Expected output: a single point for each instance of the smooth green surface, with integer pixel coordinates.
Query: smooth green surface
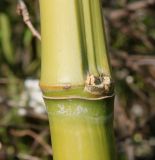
(61, 50)
(102, 59)
(81, 129)
(73, 41)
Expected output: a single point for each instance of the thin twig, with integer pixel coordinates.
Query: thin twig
(35, 136)
(23, 11)
(131, 7)
(27, 157)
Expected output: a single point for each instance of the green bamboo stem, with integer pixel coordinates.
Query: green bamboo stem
(89, 37)
(102, 59)
(61, 59)
(75, 74)
(81, 129)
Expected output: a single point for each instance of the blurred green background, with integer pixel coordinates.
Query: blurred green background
(24, 131)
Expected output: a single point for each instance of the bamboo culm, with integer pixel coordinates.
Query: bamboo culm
(76, 80)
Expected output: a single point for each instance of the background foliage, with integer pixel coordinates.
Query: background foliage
(24, 132)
